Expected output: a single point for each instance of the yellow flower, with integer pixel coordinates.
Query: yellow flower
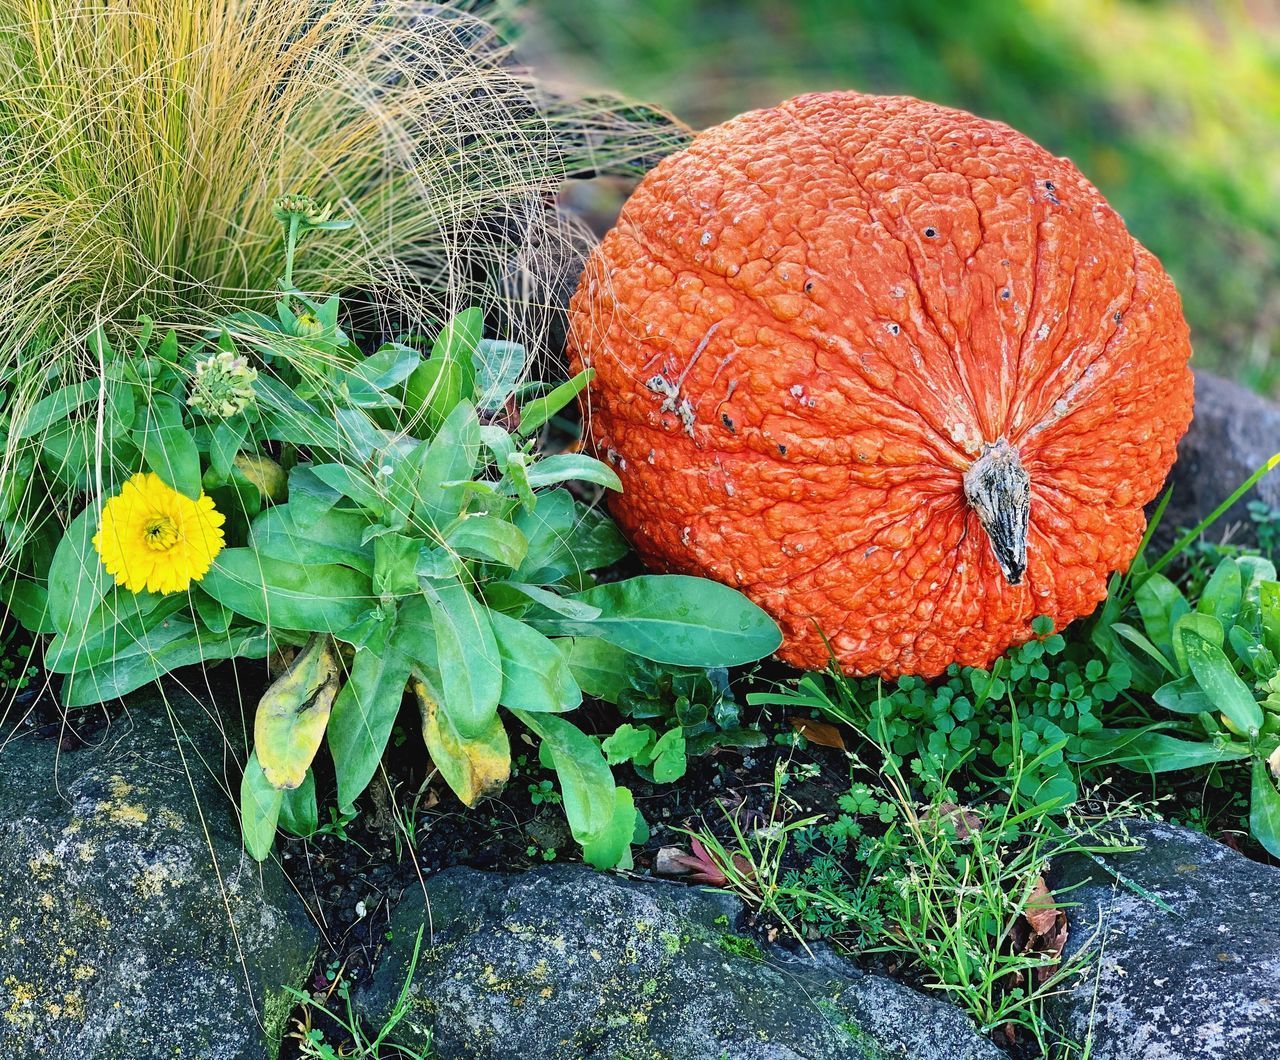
(152, 537)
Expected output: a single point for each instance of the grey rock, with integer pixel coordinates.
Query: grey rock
(1199, 983)
(116, 939)
(1233, 432)
(563, 963)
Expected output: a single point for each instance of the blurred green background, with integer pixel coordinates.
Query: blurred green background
(1172, 107)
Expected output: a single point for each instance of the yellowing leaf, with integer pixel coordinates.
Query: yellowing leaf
(473, 767)
(293, 713)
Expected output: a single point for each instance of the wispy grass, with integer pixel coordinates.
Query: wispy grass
(142, 144)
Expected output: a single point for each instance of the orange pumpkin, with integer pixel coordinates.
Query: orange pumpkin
(896, 372)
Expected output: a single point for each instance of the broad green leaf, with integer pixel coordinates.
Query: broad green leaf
(508, 596)
(1135, 638)
(170, 645)
(611, 847)
(395, 563)
(293, 713)
(28, 602)
(499, 367)
(369, 383)
(365, 712)
(121, 619)
(1161, 604)
(1205, 626)
(586, 783)
(310, 497)
(675, 619)
(228, 439)
(1223, 594)
(473, 767)
(669, 761)
(566, 539)
(535, 413)
(333, 537)
(1269, 603)
(213, 616)
(469, 664)
(627, 743)
(317, 598)
(168, 447)
(600, 668)
(353, 484)
(448, 376)
(1216, 676)
(1264, 809)
(77, 579)
(1183, 696)
(535, 675)
(288, 418)
(1157, 752)
(299, 815)
(259, 810)
(55, 408)
(488, 538)
(565, 467)
(451, 457)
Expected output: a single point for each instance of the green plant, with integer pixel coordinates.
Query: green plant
(1038, 703)
(687, 711)
(412, 535)
(361, 1045)
(1216, 667)
(142, 144)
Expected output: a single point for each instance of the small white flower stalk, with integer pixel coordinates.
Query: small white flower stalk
(223, 385)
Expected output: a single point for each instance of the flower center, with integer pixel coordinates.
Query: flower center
(160, 533)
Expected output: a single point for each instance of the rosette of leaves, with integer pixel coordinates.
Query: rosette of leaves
(673, 713)
(1215, 667)
(429, 536)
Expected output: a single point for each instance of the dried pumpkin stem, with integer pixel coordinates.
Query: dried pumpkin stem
(998, 489)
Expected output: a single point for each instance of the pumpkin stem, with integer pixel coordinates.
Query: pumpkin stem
(998, 489)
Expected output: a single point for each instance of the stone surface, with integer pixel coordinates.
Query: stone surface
(1233, 432)
(116, 940)
(563, 963)
(1199, 983)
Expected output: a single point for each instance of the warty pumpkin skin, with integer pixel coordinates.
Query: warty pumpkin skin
(867, 358)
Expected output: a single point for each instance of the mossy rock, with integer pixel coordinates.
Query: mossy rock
(133, 927)
(563, 963)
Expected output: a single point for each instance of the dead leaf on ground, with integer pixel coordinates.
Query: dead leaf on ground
(819, 732)
(1043, 928)
(962, 819)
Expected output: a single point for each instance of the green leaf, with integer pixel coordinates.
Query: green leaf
(451, 457)
(259, 810)
(1216, 676)
(317, 598)
(1183, 696)
(611, 847)
(228, 439)
(1156, 752)
(508, 596)
(535, 413)
(395, 565)
(566, 539)
(1161, 604)
(333, 537)
(674, 619)
(1264, 809)
(488, 538)
(448, 377)
(669, 760)
(165, 648)
(535, 675)
(55, 408)
(77, 579)
(1139, 641)
(628, 743)
(364, 714)
(1205, 626)
(565, 467)
(353, 484)
(168, 447)
(299, 815)
(122, 618)
(469, 664)
(1223, 594)
(499, 367)
(1269, 603)
(600, 668)
(586, 783)
(370, 383)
